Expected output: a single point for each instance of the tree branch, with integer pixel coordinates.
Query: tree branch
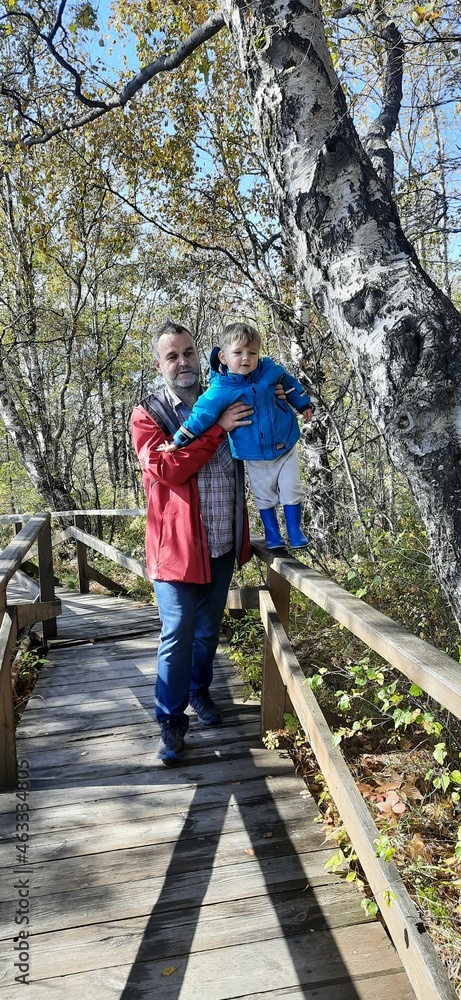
(161, 64)
(376, 142)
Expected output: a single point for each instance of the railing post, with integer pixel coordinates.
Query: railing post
(274, 698)
(82, 561)
(46, 576)
(8, 766)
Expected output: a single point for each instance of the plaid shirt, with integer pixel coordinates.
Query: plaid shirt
(216, 486)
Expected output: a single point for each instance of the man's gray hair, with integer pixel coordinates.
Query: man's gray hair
(168, 327)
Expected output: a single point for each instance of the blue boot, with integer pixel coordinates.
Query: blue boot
(296, 536)
(274, 539)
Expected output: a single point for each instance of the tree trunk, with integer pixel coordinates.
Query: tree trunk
(43, 477)
(401, 333)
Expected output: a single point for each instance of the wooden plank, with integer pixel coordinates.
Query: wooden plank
(8, 767)
(105, 581)
(243, 599)
(46, 578)
(40, 611)
(335, 958)
(430, 668)
(259, 818)
(15, 553)
(109, 985)
(218, 850)
(100, 618)
(94, 904)
(156, 802)
(274, 699)
(111, 553)
(61, 536)
(82, 558)
(26, 584)
(80, 949)
(105, 512)
(418, 955)
(391, 986)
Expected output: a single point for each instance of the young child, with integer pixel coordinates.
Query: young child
(268, 445)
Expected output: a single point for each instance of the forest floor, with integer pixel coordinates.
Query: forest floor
(419, 830)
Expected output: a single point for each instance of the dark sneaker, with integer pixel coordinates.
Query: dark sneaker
(171, 744)
(208, 712)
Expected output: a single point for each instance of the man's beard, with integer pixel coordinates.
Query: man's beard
(186, 379)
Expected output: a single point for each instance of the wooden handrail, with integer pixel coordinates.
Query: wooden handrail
(418, 955)
(15, 553)
(8, 766)
(435, 672)
(42, 608)
(104, 512)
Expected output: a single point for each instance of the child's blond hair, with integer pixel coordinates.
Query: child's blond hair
(241, 332)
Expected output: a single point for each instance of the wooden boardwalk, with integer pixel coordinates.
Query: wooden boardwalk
(202, 882)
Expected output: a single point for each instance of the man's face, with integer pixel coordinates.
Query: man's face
(178, 361)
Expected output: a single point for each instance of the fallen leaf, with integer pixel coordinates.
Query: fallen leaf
(249, 850)
(418, 848)
(392, 797)
(268, 835)
(411, 792)
(399, 807)
(169, 970)
(389, 786)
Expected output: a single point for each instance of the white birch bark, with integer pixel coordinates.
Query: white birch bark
(401, 333)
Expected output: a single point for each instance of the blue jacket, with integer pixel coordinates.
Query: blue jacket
(274, 428)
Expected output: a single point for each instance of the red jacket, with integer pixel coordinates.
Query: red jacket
(176, 544)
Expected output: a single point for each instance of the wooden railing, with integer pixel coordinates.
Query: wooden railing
(43, 607)
(434, 671)
(285, 687)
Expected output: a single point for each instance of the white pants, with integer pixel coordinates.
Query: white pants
(277, 481)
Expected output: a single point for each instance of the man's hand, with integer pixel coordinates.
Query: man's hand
(235, 415)
(280, 392)
(167, 446)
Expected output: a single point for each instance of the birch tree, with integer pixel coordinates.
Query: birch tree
(400, 332)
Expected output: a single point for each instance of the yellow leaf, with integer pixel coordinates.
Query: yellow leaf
(169, 970)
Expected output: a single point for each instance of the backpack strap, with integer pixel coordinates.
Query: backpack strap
(161, 411)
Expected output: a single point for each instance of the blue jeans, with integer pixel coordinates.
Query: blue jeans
(191, 615)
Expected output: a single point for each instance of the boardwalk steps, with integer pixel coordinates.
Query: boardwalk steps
(213, 872)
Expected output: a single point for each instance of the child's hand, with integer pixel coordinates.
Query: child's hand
(307, 415)
(167, 446)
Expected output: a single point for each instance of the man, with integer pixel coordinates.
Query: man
(197, 526)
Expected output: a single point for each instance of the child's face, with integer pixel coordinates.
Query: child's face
(240, 360)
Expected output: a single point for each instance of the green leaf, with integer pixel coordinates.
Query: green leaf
(439, 752)
(369, 906)
(416, 691)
